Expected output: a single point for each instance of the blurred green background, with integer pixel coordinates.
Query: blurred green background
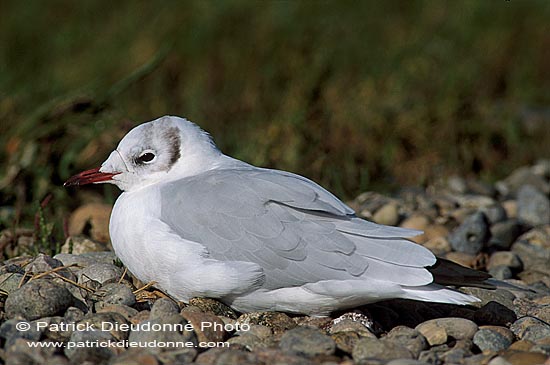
(356, 95)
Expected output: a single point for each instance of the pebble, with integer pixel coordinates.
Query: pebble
(306, 341)
(207, 326)
(38, 298)
(511, 208)
(127, 312)
(409, 338)
(10, 281)
(434, 333)
(372, 348)
(163, 307)
(495, 213)
(457, 328)
(86, 259)
(533, 206)
(493, 338)
(213, 306)
(523, 358)
(115, 293)
(504, 233)
(388, 214)
(471, 235)
(505, 258)
(502, 296)
(278, 322)
(530, 329)
(102, 273)
(501, 272)
(440, 246)
(346, 341)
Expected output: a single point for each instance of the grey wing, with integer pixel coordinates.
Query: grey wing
(294, 229)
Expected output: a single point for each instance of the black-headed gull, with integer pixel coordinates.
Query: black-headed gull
(202, 224)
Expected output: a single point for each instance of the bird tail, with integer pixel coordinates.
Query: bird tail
(446, 272)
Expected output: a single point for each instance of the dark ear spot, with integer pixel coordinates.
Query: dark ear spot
(172, 136)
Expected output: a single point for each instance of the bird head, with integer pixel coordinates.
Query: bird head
(164, 149)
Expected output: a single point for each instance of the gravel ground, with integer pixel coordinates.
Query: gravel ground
(74, 304)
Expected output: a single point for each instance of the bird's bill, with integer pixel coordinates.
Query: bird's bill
(92, 176)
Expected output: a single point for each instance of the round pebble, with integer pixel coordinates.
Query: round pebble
(38, 298)
(493, 338)
(471, 235)
(533, 206)
(305, 341)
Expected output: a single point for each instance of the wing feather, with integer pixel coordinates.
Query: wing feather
(295, 230)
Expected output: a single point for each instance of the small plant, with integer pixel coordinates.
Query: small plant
(44, 237)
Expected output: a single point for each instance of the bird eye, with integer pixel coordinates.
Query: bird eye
(146, 157)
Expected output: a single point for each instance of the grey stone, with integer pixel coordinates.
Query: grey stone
(163, 307)
(86, 259)
(533, 206)
(10, 281)
(520, 177)
(494, 213)
(73, 314)
(504, 233)
(43, 263)
(367, 349)
(38, 298)
(501, 272)
(471, 235)
(306, 341)
(409, 338)
(536, 333)
(493, 338)
(502, 296)
(530, 329)
(115, 293)
(102, 273)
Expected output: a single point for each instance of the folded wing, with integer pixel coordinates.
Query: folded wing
(294, 229)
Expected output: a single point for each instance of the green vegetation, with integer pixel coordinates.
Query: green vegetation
(354, 94)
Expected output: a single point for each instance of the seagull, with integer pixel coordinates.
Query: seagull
(199, 223)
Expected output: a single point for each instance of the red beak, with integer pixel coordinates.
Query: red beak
(89, 177)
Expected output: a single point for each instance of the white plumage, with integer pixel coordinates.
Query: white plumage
(200, 223)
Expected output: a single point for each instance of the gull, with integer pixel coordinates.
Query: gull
(199, 223)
